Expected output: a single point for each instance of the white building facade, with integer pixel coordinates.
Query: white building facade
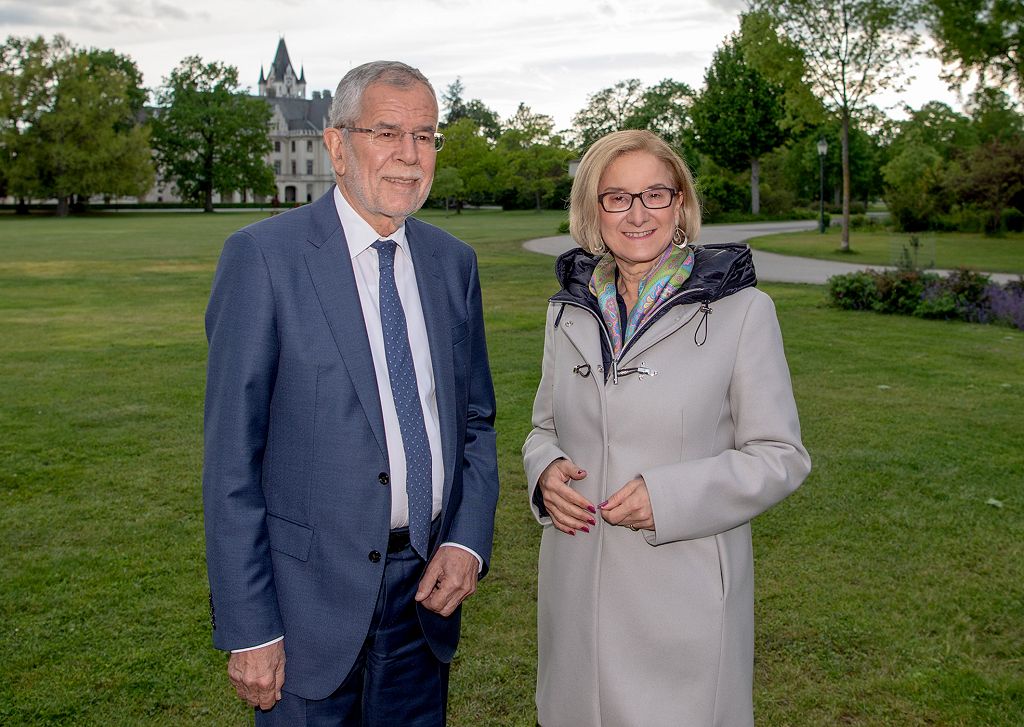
(302, 168)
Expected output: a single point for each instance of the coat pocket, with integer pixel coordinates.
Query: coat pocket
(459, 332)
(289, 537)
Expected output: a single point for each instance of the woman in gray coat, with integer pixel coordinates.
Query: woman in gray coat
(664, 421)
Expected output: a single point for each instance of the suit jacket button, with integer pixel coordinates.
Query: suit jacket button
(374, 556)
(383, 478)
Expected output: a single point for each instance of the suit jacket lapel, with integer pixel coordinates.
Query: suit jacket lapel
(330, 267)
(436, 314)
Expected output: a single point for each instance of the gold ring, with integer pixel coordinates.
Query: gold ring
(634, 528)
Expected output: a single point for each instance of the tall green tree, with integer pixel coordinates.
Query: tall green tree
(665, 109)
(849, 50)
(468, 151)
(72, 128)
(983, 38)
(736, 118)
(992, 177)
(535, 160)
(607, 110)
(210, 136)
(456, 108)
(27, 79)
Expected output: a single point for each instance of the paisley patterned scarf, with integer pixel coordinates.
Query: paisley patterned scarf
(666, 277)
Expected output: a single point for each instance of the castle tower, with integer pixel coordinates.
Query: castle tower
(281, 80)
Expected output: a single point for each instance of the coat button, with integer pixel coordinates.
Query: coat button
(383, 478)
(374, 556)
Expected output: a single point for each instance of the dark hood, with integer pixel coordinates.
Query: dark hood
(718, 271)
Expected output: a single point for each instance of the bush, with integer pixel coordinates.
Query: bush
(563, 227)
(900, 291)
(962, 295)
(1013, 220)
(853, 291)
(720, 194)
(1006, 303)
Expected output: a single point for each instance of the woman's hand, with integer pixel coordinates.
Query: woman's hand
(630, 506)
(569, 510)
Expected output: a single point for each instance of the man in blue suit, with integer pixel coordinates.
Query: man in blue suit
(350, 473)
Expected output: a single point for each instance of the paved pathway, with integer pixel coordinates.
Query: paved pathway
(770, 267)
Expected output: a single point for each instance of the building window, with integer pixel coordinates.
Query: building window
(277, 166)
(293, 165)
(309, 166)
(293, 145)
(277, 146)
(309, 146)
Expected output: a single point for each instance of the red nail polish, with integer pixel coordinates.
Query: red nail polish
(603, 504)
(572, 533)
(591, 508)
(591, 521)
(584, 528)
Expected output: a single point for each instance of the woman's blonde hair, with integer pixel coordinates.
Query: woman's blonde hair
(585, 210)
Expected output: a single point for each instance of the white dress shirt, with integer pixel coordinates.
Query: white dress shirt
(365, 265)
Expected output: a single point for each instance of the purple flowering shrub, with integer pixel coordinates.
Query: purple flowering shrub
(963, 295)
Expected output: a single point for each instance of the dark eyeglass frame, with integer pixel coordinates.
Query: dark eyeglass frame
(376, 133)
(639, 195)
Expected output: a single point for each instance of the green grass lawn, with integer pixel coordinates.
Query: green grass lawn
(890, 588)
(948, 250)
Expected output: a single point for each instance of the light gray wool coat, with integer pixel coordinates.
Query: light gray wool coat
(655, 628)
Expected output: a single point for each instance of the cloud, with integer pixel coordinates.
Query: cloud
(108, 16)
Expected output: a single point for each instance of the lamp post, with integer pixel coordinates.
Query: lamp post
(822, 151)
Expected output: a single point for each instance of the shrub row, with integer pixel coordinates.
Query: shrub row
(962, 295)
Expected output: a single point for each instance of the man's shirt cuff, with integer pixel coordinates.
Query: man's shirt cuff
(272, 641)
(479, 560)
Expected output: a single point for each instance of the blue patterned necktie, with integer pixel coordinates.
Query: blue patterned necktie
(402, 373)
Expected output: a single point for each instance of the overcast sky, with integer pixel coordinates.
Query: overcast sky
(550, 54)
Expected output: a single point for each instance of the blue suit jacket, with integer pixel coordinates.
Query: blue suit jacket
(297, 501)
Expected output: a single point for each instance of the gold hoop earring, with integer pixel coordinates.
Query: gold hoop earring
(680, 239)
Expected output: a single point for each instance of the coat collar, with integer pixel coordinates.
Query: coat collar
(718, 272)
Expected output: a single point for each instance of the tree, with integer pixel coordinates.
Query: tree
(849, 50)
(453, 103)
(992, 176)
(994, 116)
(458, 108)
(982, 37)
(535, 159)
(447, 185)
(913, 180)
(736, 118)
(664, 108)
(468, 152)
(71, 126)
(210, 136)
(606, 111)
(26, 87)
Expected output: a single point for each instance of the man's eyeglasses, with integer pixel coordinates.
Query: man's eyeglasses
(655, 198)
(389, 136)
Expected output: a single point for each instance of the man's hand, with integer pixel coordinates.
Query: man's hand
(258, 674)
(450, 578)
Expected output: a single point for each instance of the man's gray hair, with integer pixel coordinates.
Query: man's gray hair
(345, 108)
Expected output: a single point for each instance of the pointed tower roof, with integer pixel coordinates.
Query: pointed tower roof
(281, 60)
(263, 79)
(302, 75)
